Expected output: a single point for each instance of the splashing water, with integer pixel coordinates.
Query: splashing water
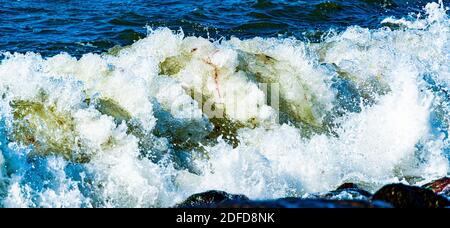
(171, 115)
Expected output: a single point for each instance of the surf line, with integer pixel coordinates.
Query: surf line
(188, 218)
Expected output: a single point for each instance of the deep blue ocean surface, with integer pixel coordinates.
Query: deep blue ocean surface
(109, 103)
(76, 27)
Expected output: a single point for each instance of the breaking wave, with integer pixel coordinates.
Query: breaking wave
(149, 124)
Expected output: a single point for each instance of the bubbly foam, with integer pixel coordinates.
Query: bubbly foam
(169, 116)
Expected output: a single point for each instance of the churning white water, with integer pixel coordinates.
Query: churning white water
(149, 124)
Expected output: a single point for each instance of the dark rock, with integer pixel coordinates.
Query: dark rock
(347, 186)
(210, 198)
(304, 203)
(440, 186)
(352, 188)
(220, 199)
(403, 196)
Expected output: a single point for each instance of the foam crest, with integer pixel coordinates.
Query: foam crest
(171, 115)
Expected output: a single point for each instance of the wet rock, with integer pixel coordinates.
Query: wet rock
(307, 109)
(53, 132)
(403, 196)
(347, 186)
(110, 107)
(173, 65)
(305, 203)
(220, 199)
(347, 191)
(351, 187)
(440, 186)
(211, 198)
(48, 130)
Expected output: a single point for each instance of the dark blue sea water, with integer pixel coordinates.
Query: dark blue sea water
(53, 26)
(114, 103)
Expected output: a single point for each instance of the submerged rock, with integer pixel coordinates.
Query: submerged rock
(173, 65)
(108, 106)
(347, 191)
(227, 129)
(229, 81)
(211, 199)
(115, 51)
(351, 189)
(305, 203)
(306, 108)
(48, 130)
(404, 196)
(221, 199)
(347, 186)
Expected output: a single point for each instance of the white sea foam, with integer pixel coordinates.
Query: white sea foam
(365, 106)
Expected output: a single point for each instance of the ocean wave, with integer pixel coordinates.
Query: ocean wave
(148, 124)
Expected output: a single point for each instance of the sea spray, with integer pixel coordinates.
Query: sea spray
(173, 115)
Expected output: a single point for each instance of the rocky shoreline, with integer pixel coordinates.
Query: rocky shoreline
(435, 194)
